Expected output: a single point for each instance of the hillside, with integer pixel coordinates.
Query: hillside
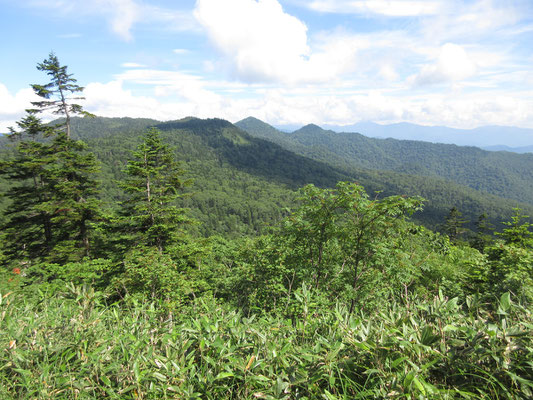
(241, 184)
(244, 183)
(502, 174)
(245, 180)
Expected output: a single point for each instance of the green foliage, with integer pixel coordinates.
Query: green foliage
(483, 234)
(518, 233)
(243, 183)
(499, 173)
(74, 347)
(340, 242)
(56, 92)
(53, 194)
(147, 271)
(345, 298)
(453, 226)
(153, 185)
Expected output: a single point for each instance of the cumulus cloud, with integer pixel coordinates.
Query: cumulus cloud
(182, 95)
(13, 106)
(263, 43)
(179, 95)
(453, 65)
(112, 100)
(287, 74)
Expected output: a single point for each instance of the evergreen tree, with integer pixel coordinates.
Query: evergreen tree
(53, 196)
(153, 184)
(453, 226)
(75, 192)
(56, 92)
(483, 236)
(519, 231)
(29, 224)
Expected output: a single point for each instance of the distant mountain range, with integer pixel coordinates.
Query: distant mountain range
(499, 173)
(245, 173)
(493, 138)
(521, 150)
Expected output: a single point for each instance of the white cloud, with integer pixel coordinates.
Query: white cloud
(13, 106)
(132, 65)
(181, 100)
(188, 95)
(111, 100)
(452, 65)
(260, 39)
(389, 8)
(124, 13)
(182, 95)
(472, 21)
(262, 43)
(121, 14)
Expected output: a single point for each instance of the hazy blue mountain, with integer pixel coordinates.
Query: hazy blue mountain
(520, 150)
(480, 137)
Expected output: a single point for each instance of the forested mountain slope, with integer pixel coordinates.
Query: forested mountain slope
(500, 173)
(246, 180)
(243, 182)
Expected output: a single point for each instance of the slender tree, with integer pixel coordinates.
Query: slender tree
(57, 93)
(453, 226)
(340, 233)
(153, 184)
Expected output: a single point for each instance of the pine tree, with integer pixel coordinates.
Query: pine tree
(519, 231)
(75, 192)
(483, 235)
(453, 226)
(153, 184)
(53, 196)
(56, 92)
(29, 224)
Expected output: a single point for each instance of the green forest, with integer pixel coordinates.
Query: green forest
(198, 259)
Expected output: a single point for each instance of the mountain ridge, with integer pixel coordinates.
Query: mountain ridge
(243, 182)
(500, 173)
(490, 135)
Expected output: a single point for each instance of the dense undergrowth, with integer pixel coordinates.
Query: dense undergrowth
(73, 346)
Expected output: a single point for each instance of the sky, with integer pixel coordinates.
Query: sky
(461, 64)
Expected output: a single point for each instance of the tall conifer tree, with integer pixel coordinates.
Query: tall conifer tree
(153, 184)
(56, 94)
(54, 190)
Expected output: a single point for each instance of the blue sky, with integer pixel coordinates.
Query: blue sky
(456, 63)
